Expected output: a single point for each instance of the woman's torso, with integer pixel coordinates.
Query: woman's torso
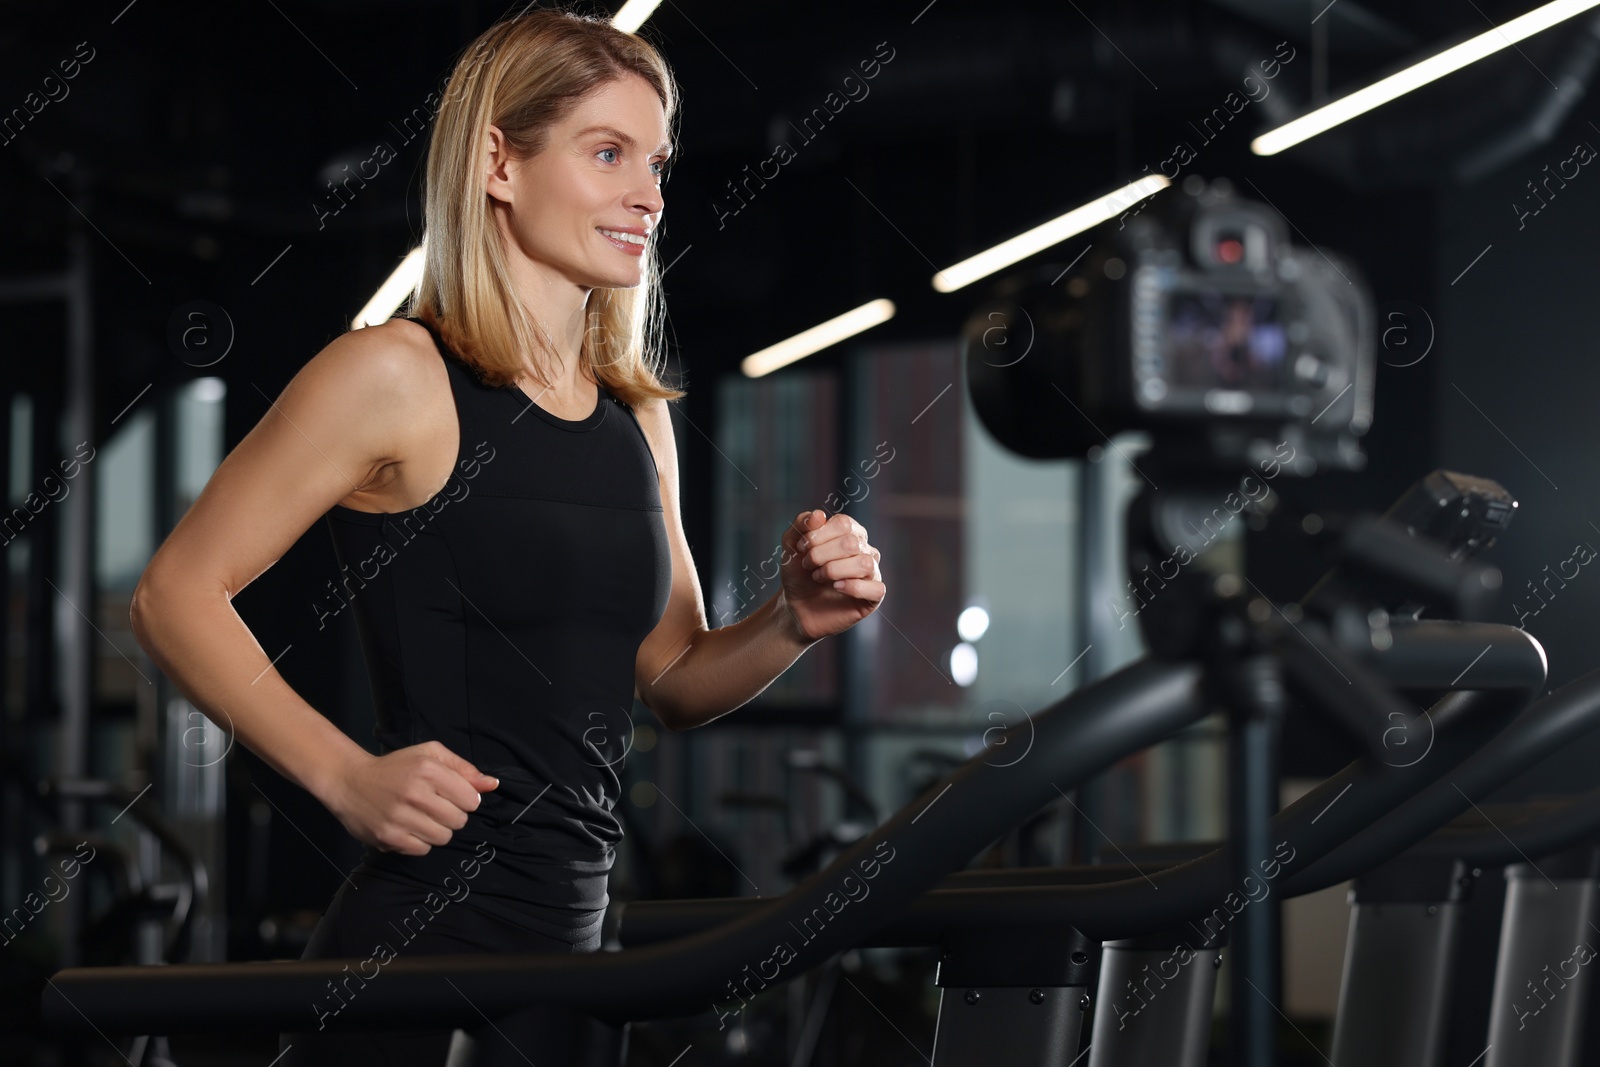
(502, 618)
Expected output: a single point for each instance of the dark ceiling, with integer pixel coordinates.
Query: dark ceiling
(193, 147)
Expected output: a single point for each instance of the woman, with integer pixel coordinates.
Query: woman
(499, 476)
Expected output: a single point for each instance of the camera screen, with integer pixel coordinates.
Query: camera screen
(1220, 341)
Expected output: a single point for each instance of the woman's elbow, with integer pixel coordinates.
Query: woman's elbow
(157, 597)
(144, 609)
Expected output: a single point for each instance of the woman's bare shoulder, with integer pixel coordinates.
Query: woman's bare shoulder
(392, 388)
(398, 352)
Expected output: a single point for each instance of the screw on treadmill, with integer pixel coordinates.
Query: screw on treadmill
(1079, 959)
(1083, 1002)
(972, 996)
(1037, 996)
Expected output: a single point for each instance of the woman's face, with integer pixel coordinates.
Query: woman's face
(601, 169)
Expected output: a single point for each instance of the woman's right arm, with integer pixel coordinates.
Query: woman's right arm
(338, 422)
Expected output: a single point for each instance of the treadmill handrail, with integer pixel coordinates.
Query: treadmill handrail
(1512, 833)
(839, 906)
(1157, 897)
(1422, 823)
(1085, 731)
(1115, 909)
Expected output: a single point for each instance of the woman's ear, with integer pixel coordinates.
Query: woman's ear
(499, 167)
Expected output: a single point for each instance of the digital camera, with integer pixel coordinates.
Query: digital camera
(1194, 319)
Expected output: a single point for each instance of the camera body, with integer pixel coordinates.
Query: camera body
(1196, 320)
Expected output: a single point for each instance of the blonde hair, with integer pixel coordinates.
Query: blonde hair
(525, 74)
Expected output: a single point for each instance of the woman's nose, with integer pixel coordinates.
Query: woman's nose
(649, 199)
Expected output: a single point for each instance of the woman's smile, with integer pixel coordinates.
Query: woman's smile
(634, 247)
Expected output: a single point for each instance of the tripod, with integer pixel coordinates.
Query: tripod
(1204, 606)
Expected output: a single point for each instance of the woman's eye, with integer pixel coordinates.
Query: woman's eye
(607, 150)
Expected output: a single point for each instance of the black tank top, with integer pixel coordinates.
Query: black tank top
(502, 618)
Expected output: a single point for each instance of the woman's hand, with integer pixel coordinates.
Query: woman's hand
(410, 799)
(830, 574)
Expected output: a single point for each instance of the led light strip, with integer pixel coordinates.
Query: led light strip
(394, 290)
(1413, 77)
(633, 14)
(1049, 233)
(817, 338)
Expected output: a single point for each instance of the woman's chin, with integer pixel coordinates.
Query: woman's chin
(625, 280)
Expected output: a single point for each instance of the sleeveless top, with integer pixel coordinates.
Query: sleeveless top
(502, 619)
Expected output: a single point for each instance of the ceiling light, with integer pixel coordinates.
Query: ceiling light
(817, 338)
(1417, 75)
(633, 14)
(1050, 233)
(393, 292)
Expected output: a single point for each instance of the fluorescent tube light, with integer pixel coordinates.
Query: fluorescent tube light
(633, 14)
(393, 292)
(817, 338)
(1417, 75)
(1049, 233)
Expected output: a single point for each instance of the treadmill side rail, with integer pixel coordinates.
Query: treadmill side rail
(1542, 977)
(1155, 1005)
(1395, 992)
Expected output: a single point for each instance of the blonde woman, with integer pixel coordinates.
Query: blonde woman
(498, 474)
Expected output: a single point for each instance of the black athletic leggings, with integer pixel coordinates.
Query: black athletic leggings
(354, 925)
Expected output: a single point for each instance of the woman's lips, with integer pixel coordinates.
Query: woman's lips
(626, 246)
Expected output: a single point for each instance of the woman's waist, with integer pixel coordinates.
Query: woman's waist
(567, 909)
(566, 741)
(462, 868)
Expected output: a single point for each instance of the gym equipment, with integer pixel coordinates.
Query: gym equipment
(146, 921)
(1393, 1002)
(832, 910)
(1464, 514)
(1116, 903)
(994, 937)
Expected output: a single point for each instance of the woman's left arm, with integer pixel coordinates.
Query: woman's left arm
(688, 673)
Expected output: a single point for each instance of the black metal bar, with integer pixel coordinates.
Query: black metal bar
(1252, 802)
(1512, 831)
(74, 602)
(1550, 725)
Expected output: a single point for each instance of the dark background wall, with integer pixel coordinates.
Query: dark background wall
(1514, 395)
